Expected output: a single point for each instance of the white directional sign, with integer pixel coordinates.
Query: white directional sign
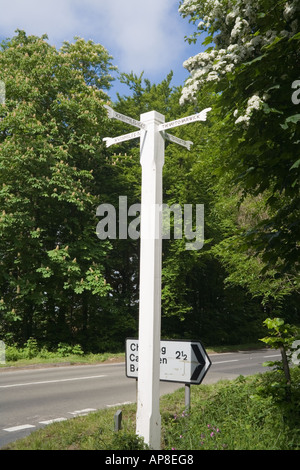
(177, 140)
(180, 361)
(121, 117)
(116, 140)
(186, 120)
(134, 135)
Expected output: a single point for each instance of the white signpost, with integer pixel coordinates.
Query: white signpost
(152, 148)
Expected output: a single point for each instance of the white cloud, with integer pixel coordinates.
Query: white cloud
(55, 18)
(141, 34)
(147, 33)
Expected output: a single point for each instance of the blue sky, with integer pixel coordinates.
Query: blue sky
(141, 35)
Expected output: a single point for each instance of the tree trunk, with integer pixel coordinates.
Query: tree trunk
(286, 370)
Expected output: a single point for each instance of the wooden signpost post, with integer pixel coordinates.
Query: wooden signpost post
(152, 149)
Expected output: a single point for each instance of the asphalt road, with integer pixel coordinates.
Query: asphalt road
(32, 398)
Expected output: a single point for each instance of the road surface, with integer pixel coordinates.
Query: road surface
(32, 398)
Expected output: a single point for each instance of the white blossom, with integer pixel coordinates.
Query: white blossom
(229, 17)
(289, 10)
(212, 76)
(238, 38)
(241, 119)
(254, 104)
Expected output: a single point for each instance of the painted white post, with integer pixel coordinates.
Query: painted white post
(152, 149)
(148, 421)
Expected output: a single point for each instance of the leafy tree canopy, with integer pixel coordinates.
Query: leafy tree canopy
(252, 62)
(52, 166)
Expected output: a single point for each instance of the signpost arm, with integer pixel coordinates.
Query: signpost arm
(148, 421)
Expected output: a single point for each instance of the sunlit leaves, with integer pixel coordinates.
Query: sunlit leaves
(254, 60)
(51, 129)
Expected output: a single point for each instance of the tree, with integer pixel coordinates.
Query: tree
(53, 173)
(281, 336)
(252, 64)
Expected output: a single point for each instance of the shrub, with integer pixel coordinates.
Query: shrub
(31, 349)
(123, 440)
(65, 349)
(12, 353)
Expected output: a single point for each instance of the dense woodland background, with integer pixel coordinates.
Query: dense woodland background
(60, 283)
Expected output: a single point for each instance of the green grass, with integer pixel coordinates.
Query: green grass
(244, 414)
(30, 355)
(68, 359)
(236, 415)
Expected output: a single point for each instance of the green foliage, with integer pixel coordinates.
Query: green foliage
(263, 153)
(52, 166)
(64, 350)
(123, 440)
(281, 337)
(280, 333)
(232, 416)
(31, 348)
(29, 351)
(12, 353)
(258, 154)
(32, 352)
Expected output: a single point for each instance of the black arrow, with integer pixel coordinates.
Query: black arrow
(200, 360)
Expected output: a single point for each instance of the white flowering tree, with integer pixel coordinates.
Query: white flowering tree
(252, 63)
